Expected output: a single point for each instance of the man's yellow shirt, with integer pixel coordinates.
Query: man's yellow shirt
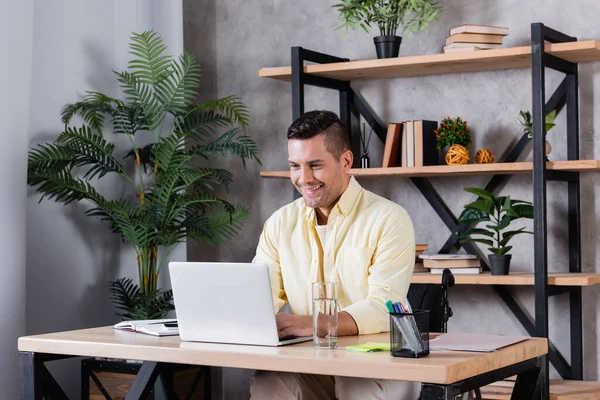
(369, 250)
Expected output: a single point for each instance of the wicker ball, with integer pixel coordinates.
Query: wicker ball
(484, 156)
(457, 154)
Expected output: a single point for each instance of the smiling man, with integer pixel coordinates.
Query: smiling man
(337, 231)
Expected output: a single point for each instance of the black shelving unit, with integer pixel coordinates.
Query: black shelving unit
(566, 94)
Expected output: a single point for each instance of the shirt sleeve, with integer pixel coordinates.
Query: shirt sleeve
(389, 275)
(267, 253)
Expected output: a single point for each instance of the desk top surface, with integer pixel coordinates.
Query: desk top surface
(442, 367)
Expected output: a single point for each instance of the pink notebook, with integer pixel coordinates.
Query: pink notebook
(473, 342)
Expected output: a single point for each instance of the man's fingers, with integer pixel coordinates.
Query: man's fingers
(287, 332)
(283, 321)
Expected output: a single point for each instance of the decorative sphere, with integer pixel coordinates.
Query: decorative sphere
(457, 154)
(484, 156)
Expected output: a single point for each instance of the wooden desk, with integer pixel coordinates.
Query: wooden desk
(444, 374)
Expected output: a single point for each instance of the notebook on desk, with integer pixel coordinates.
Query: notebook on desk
(473, 342)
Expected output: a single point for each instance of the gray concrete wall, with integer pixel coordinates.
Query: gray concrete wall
(246, 39)
(15, 81)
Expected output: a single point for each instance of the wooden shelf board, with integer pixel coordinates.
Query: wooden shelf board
(512, 168)
(559, 390)
(444, 63)
(516, 278)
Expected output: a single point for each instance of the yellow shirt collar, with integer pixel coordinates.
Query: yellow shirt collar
(344, 205)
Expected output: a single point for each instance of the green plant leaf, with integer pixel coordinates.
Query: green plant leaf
(504, 250)
(507, 236)
(485, 206)
(229, 144)
(480, 192)
(504, 222)
(123, 292)
(524, 210)
(476, 231)
(231, 107)
(470, 216)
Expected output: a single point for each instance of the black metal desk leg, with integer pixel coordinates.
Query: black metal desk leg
(526, 385)
(31, 385)
(430, 391)
(144, 381)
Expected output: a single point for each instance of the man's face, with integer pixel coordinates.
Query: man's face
(318, 175)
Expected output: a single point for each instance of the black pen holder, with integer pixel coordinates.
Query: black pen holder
(409, 334)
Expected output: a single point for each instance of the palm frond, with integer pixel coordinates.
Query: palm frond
(49, 157)
(232, 107)
(186, 205)
(151, 66)
(93, 109)
(152, 305)
(90, 150)
(127, 219)
(229, 144)
(62, 187)
(216, 226)
(126, 296)
(178, 91)
(145, 154)
(129, 119)
(123, 293)
(141, 94)
(198, 123)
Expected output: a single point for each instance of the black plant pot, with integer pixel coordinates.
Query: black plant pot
(387, 46)
(442, 154)
(500, 264)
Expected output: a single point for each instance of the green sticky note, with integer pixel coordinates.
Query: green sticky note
(369, 347)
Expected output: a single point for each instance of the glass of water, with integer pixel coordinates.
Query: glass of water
(325, 314)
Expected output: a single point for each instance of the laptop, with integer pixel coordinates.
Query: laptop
(222, 302)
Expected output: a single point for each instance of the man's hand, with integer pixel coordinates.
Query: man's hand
(301, 325)
(293, 325)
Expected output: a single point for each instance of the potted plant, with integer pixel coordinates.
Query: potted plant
(451, 131)
(498, 212)
(390, 16)
(527, 124)
(168, 199)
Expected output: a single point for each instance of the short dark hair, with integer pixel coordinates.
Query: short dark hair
(317, 122)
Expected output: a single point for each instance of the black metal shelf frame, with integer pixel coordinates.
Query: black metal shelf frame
(565, 94)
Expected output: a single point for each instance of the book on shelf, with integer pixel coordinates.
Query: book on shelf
(441, 264)
(457, 271)
(462, 49)
(392, 146)
(459, 45)
(425, 152)
(418, 143)
(474, 38)
(429, 263)
(407, 157)
(475, 28)
(154, 327)
(419, 268)
(449, 256)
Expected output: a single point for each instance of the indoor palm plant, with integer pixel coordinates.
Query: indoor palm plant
(169, 200)
(389, 16)
(497, 212)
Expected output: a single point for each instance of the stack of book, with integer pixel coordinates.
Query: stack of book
(410, 144)
(456, 263)
(421, 249)
(474, 37)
